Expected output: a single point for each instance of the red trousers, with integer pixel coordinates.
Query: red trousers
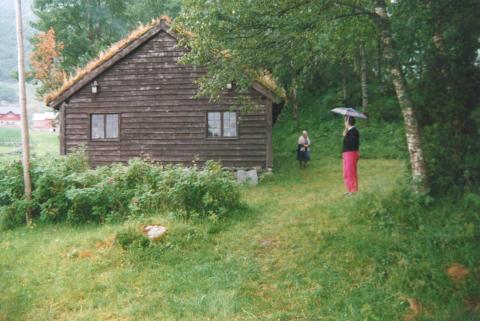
(350, 178)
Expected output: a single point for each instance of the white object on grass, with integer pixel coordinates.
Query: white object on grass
(154, 232)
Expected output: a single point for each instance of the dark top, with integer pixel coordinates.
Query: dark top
(351, 141)
(303, 153)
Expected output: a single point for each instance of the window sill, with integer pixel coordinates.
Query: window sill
(105, 140)
(221, 138)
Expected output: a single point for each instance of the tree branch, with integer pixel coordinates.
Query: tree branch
(356, 8)
(356, 14)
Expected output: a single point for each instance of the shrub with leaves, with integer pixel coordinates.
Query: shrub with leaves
(67, 190)
(209, 191)
(13, 215)
(131, 239)
(11, 183)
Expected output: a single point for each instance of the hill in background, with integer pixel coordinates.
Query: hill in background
(8, 53)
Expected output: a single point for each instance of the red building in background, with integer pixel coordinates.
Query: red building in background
(44, 121)
(10, 117)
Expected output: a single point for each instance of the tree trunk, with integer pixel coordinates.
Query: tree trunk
(344, 83)
(412, 131)
(363, 76)
(379, 62)
(23, 105)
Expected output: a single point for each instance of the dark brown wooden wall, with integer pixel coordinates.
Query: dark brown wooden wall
(158, 115)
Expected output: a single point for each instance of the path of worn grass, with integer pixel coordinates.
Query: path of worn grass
(263, 264)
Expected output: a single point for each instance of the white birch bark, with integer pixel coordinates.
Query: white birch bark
(412, 131)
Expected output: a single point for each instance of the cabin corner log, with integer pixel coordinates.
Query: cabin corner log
(62, 129)
(269, 115)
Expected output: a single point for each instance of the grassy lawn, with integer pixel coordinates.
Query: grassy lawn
(42, 143)
(298, 250)
(268, 262)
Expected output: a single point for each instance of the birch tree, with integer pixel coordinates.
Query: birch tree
(412, 130)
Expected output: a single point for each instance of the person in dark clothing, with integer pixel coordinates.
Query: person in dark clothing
(350, 155)
(303, 149)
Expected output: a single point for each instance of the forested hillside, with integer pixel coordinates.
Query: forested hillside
(8, 48)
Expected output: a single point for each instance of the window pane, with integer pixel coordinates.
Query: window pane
(214, 125)
(98, 129)
(111, 125)
(229, 124)
(213, 116)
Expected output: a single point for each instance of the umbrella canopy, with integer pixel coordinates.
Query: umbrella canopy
(350, 112)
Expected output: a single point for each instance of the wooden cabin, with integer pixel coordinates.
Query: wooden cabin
(137, 100)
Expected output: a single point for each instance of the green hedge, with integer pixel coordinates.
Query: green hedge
(67, 190)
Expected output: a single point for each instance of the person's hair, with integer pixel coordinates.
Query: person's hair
(351, 121)
(304, 132)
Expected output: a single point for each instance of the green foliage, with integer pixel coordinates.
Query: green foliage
(293, 41)
(131, 238)
(146, 10)
(407, 242)
(314, 45)
(263, 37)
(51, 183)
(81, 27)
(401, 211)
(11, 183)
(379, 138)
(438, 42)
(207, 192)
(14, 214)
(87, 27)
(301, 249)
(65, 189)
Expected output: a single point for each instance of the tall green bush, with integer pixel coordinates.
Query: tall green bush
(67, 190)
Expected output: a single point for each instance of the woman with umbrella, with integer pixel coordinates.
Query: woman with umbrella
(351, 146)
(350, 155)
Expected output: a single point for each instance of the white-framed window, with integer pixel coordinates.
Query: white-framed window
(104, 126)
(222, 124)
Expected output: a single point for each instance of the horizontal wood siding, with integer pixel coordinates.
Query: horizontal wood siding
(159, 116)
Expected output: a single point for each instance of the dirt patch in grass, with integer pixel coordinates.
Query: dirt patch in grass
(106, 244)
(457, 272)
